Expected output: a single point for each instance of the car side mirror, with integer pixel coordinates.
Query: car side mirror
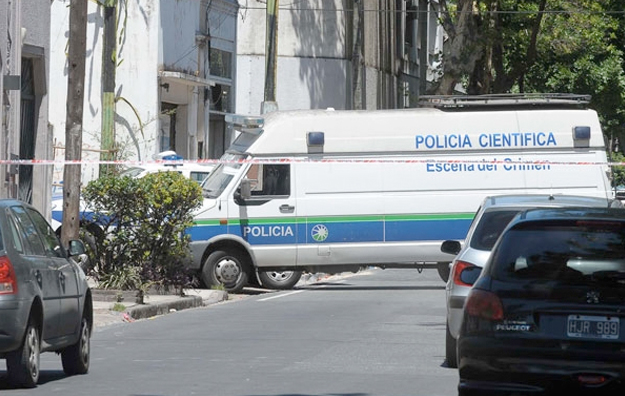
(451, 247)
(76, 247)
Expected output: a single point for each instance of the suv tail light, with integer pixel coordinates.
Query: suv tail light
(484, 305)
(8, 282)
(457, 269)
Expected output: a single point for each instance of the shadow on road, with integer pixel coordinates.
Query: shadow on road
(45, 376)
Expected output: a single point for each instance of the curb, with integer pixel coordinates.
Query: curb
(154, 309)
(159, 304)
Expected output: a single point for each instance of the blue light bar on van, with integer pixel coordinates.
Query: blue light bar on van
(249, 124)
(315, 142)
(315, 138)
(581, 136)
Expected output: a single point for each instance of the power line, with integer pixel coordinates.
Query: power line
(408, 11)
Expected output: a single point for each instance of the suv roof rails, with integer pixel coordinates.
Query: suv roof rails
(505, 101)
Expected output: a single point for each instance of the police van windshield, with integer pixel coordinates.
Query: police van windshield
(220, 177)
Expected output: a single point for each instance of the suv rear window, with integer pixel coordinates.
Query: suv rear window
(490, 226)
(571, 251)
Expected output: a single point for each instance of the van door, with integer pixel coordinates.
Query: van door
(266, 215)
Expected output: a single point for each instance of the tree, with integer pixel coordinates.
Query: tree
(493, 44)
(572, 46)
(464, 47)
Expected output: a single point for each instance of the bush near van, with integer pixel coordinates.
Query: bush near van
(142, 242)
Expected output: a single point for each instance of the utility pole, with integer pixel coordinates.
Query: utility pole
(109, 64)
(271, 58)
(73, 121)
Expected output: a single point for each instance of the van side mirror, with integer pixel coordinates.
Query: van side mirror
(451, 247)
(244, 191)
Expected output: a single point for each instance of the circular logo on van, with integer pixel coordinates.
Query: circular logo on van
(319, 233)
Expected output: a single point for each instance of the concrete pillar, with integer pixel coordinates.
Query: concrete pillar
(192, 124)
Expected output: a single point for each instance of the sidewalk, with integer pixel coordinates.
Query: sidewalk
(107, 310)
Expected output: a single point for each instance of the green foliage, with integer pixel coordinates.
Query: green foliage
(120, 278)
(574, 46)
(618, 172)
(144, 243)
(117, 307)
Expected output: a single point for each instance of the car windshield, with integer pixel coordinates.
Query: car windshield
(221, 175)
(132, 172)
(491, 225)
(576, 251)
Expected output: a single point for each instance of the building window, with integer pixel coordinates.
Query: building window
(220, 95)
(220, 63)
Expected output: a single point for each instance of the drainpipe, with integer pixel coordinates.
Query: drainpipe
(271, 46)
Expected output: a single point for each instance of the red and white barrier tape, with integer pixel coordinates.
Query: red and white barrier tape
(294, 160)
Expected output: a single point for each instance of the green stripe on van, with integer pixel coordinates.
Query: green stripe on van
(340, 219)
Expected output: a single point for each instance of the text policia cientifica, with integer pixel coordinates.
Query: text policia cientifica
(492, 140)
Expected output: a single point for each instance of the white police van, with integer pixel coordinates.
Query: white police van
(332, 191)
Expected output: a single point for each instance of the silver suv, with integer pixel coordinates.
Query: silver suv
(491, 218)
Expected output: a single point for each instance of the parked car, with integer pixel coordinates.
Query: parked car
(193, 171)
(494, 214)
(545, 314)
(45, 301)
(197, 172)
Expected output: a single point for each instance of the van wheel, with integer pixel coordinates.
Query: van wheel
(226, 268)
(279, 279)
(443, 271)
(23, 363)
(75, 358)
(451, 354)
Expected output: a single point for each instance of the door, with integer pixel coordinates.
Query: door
(43, 272)
(267, 219)
(66, 276)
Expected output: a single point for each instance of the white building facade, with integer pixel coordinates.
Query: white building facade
(163, 82)
(343, 54)
(24, 82)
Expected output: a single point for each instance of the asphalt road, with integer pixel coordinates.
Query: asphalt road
(380, 332)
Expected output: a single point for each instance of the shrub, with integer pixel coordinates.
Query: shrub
(144, 220)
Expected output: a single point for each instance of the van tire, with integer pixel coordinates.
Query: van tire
(281, 280)
(451, 354)
(225, 268)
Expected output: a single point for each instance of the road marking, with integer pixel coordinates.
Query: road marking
(282, 295)
(300, 291)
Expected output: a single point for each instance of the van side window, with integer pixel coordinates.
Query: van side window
(270, 179)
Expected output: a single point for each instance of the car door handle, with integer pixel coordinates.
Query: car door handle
(287, 208)
(38, 277)
(62, 279)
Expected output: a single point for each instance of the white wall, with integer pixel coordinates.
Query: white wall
(312, 68)
(179, 23)
(136, 82)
